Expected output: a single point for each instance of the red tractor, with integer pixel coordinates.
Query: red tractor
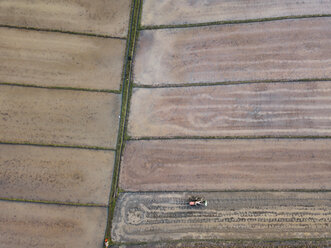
(197, 201)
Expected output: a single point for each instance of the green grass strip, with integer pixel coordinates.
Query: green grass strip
(126, 93)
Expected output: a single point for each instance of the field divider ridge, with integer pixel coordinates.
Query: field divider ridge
(58, 146)
(60, 88)
(62, 31)
(144, 86)
(230, 22)
(75, 204)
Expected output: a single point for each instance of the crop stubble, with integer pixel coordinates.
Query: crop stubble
(147, 217)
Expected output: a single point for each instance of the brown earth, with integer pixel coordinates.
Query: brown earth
(105, 17)
(170, 12)
(61, 60)
(55, 174)
(272, 109)
(148, 217)
(29, 225)
(276, 50)
(62, 117)
(180, 165)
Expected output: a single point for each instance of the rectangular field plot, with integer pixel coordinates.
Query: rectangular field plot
(245, 215)
(60, 60)
(55, 174)
(172, 12)
(109, 17)
(50, 226)
(276, 50)
(61, 117)
(260, 109)
(180, 165)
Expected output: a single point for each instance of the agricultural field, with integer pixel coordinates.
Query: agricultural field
(61, 81)
(230, 101)
(113, 114)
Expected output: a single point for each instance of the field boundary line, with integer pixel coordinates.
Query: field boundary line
(57, 146)
(227, 137)
(216, 23)
(31, 28)
(73, 204)
(185, 85)
(60, 88)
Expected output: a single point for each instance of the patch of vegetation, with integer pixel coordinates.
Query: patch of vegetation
(126, 95)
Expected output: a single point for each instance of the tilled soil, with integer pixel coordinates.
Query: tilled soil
(226, 164)
(259, 109)
(109, 17)
(276, 50)
(55, 174)
(147, 217)
(170, 12)
(59, 117)
(29, 225)
(60, 60)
